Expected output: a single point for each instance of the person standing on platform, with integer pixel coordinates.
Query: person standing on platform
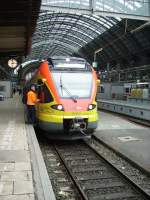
(20, 91)
(31, 102)
(14, 91)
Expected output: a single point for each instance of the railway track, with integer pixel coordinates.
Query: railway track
(62, 183)
(78, 172)
(128, 168)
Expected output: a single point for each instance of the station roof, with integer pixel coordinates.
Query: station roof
(17, 24)
(65, 34)
(59, 32)
(81, 27)
(131, 9)
(126, 43)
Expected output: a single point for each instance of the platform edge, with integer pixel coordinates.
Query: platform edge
(42, 184)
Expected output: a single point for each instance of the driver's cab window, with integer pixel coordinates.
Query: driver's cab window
(44, 93)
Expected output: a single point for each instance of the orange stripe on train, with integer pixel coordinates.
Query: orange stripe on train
(45, 72)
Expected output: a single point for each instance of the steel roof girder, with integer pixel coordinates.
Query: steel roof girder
(100, 21)
(75, 30)
(63, 45)
(82, 39)
(69, 36)
(51, 42)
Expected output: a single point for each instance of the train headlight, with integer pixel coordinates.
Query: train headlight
(58, 107)
(91, 106)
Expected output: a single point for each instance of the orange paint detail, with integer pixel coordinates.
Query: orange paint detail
(80, 106)
(69, 105)
(94, 87)
(45, 72)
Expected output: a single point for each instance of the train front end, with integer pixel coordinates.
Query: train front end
(72, 110)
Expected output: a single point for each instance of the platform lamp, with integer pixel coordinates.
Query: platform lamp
(94, 64)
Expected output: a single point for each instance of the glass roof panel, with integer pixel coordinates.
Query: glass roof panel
(138, 7)
(66, 30)
(76, 30)
(67, 3)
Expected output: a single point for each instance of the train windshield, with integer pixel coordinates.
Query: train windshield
(73, 85)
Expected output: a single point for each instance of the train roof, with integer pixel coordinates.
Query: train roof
(70, 57)
(68, 63)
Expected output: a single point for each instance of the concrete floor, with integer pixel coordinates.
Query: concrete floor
(16, 181)
(128, 138)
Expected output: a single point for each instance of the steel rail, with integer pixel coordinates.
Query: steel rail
(134, 186)
(134, 164)
(146, 195)
(83, 195)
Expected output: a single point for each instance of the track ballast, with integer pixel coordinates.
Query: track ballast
(78, 172)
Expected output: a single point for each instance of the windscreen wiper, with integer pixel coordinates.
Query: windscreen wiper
(70, 95)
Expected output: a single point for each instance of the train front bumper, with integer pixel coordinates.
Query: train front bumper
(56, 122)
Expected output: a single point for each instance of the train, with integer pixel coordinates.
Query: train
(124, 91)
(67, 89)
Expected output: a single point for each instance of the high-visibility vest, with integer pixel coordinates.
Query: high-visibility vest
(31, 98)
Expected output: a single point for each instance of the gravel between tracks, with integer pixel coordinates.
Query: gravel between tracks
(133, 173)
(62, 184)
(100, 181)
(96, 180)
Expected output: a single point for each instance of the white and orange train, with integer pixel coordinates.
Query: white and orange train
(67, 91)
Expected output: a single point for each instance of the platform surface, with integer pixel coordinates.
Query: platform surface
(126, 137)
(126, 103)
(16, 181)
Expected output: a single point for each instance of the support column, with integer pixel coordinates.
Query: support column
(149, 7)
(92, 5)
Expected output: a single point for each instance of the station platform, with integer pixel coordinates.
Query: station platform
(127, 138)
(23, 175)
(130, 108)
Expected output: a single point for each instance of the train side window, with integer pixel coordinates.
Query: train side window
(40, 82)
(44, 94)
(41, 94)
(47, 94)
(127, 90)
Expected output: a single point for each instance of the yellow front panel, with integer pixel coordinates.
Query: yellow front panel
(46, 113)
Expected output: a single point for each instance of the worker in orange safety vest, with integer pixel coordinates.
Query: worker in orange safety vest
(31, 102)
